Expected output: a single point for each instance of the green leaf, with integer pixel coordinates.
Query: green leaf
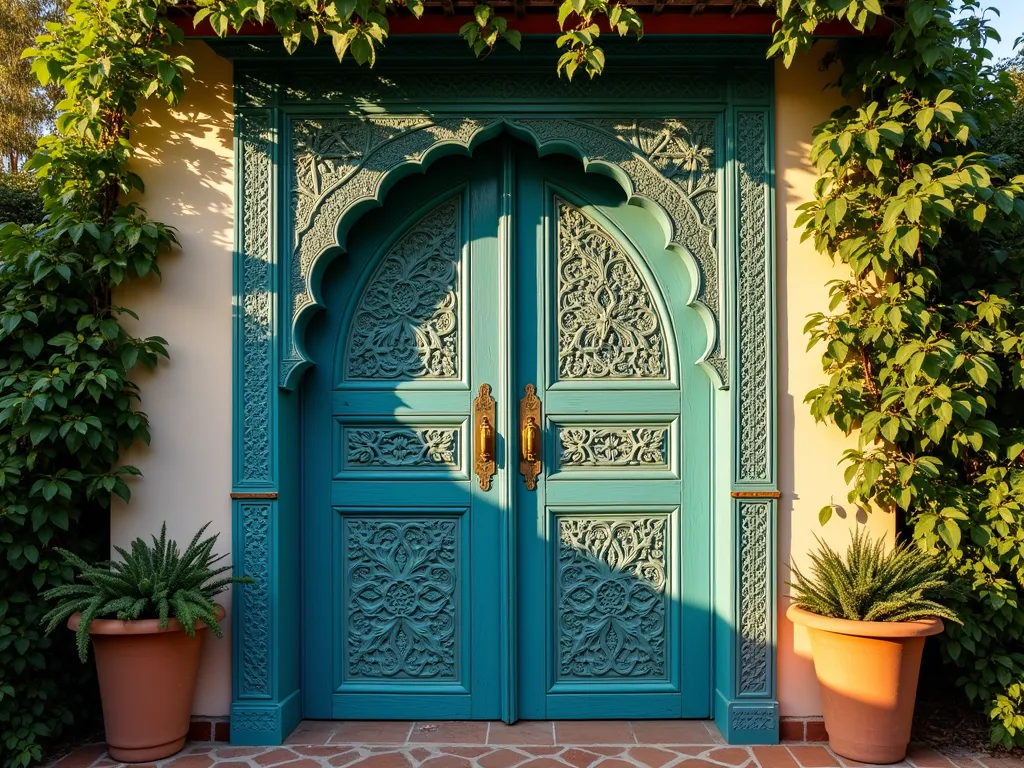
(950, 533)
(910, 239)
(32, 343)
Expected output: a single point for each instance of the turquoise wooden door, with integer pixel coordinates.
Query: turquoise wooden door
(614, 568)
(432, 595)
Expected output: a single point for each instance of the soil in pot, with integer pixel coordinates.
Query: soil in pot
(867, 674)
(147, 680)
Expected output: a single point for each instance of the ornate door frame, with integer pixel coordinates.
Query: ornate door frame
(316, 146)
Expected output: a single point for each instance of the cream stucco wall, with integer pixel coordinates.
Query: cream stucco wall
(809, 476)
(186, 160)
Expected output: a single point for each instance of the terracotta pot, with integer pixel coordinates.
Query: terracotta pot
(867, 674)
(147, 680)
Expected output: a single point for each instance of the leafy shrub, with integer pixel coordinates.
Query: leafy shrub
(68, 405)
(19, 200)
(150, 582)
(872, 584)
(923, 343)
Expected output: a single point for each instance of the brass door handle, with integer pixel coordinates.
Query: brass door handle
(530, 437)
(485, 440)
(484, 461)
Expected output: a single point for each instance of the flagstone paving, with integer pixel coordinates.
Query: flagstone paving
(577, 744)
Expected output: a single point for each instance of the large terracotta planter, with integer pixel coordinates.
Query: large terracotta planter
(867, 674)
(147, 680)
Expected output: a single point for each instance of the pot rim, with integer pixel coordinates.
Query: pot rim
(136, 626)
(880, 629)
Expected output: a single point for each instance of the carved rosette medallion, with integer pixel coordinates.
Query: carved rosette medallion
(611, 586)
(608, 325)
(400, 599)
(406, 325)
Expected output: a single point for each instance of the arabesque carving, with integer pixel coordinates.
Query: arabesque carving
(400, 447)
(611, 598)
(608, 324)
(401, 605)
(613, 446)
(344, 162)
(406, 325)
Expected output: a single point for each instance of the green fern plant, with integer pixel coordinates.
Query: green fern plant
(872, 584)
(155, 581)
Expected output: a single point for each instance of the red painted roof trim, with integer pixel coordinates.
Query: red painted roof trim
(547, 24)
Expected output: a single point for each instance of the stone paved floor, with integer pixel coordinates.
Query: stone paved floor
(578, 744)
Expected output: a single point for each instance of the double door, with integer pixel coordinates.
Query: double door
(505, 457)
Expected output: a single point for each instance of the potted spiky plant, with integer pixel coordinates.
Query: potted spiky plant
(145, 617)
(868, 615)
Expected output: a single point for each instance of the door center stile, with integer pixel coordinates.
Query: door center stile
(506, 342)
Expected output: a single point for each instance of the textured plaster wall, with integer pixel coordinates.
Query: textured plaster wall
(809, 476)
(186, 160)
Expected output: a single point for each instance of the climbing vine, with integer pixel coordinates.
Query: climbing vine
(924, 343)
(67, 402)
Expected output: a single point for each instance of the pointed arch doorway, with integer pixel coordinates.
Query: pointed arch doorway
(583, 593)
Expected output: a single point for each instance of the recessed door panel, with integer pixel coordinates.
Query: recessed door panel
(402, 590)
(606, 613)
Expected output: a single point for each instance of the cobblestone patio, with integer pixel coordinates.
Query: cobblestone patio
(579, 744)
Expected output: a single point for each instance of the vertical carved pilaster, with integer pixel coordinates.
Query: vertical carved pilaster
(755, 462)
(755, 601)
(255, 301)
(254, 640)
(254, 425)
(752, 715)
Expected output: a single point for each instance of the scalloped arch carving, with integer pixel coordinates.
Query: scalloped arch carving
(342, 166)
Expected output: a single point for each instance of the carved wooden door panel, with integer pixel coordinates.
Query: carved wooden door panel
(613, 555)
(401, 538)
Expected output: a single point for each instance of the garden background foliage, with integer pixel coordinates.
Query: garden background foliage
(923, 345)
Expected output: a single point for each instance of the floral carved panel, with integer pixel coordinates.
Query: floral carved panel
(612, 601)
(407, 322)
(608, 324)
(613, 446)
(401, 447)
(401, 603)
